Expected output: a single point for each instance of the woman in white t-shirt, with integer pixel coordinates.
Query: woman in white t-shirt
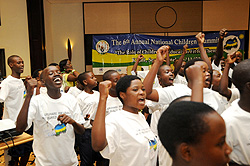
(124, 136)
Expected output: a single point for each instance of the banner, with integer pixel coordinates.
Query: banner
(119, 52)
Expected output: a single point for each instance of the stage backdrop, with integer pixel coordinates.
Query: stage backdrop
(119, 52)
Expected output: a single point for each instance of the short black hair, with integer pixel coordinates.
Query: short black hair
(10, 59)
(182, 98)
(123, 84)
(107, 74)
(54, 64)
(241, 74)
(183, 122)
(83, 76)
(62, 63)
(36, 73)
(190, 63)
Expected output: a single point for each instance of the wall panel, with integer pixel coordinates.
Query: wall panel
(157, 16)
(102, 18)
(230, 14)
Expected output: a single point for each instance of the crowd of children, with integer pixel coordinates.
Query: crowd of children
(200, 112)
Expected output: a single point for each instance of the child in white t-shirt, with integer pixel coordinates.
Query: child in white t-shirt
(194, 134)
(76, 90)
(12, 93)
(88, 100)
(124, 137)
(113, 102)
(167, 94)
(56, 116)
(237, 116)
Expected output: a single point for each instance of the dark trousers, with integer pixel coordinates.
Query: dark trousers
(87, 155)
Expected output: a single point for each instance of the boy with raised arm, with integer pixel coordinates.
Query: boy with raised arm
(168, 94)
(230, 93)
(143, 74)
(55, 116)
(179, 68)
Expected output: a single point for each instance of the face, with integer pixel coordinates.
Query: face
(212, 150)
(216, 78)
(91, 80)
(17, 64)
(114, 78)
(52, 77)
(206, 74)
(68, 66)
(166, 76)
(134, 98)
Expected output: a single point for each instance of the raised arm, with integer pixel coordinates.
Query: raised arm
(196, 80)
(167, 58)
(98, 135)
(22, 118)
(179, 63)
(200, 37)
(134, 69)
(219, 49)
(152, 94)
(223, 87)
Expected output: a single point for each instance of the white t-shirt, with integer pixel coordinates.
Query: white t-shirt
(113, 104)
(218, 68)
(74, 91)
(238, 136)
(130, 140)
(12, 93)
(157, 109)
(53, 145)
(180, 80)
(88, 104)
(143, 74)
(210, 97)
(235, 94)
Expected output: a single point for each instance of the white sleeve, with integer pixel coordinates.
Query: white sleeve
(32, 112)
(113, 138)
(214, 67)
(77, 115)
(133, 72)
(166, 95)
(234, 95)
(4, 91)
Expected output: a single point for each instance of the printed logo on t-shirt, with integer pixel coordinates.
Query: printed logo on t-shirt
(60, 128)
(87, 117)
(153, 144)
(24, 94)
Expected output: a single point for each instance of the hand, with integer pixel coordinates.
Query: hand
(195, 73)
(104, 88)
(223, 33)
(168, 48)
(30, 83)
(63, 118)
(140, 57)
(200, 37)
(161, 53)
(185, 47)
(231, 58)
